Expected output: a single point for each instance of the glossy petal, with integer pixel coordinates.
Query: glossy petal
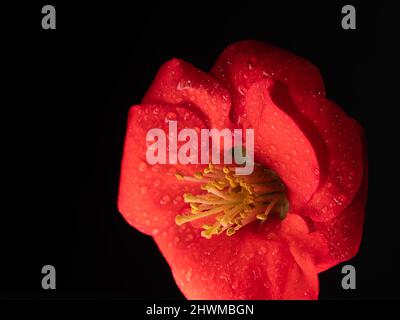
(258, 262)
(344, 232)
(280, 143)
(178, 82)
(345, 156)
(243, 63)
(310, 142)
(309, 248)
(299, 92)
(150, 196)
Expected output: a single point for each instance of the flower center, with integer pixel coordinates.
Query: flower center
(233, 201)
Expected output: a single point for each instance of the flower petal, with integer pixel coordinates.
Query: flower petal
(345, 156)
(178, 82)
(280, 143)
(243, 63)
(150, 195)
(309, 248)
(344, 232)
(248, 265)
(299, 92)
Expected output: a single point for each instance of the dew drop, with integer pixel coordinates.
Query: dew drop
(183, 84)
(165, 199)
(155, 232)
(262, 250)
(189, 237)
(242, 90)
(157, 182)
(189, 275)
(170, 116)
(142, 166)
(266, 74)
(143, 190)
(339, 200)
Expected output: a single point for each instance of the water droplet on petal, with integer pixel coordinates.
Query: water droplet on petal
(170, 116)
(142, 166)
(339, 199)
(189, 237)
(183, 84)
(143, 190)
(242, 90)
(189, 275)
(165, 199)
(272, 147)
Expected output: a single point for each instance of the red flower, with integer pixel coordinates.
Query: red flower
(317, 151)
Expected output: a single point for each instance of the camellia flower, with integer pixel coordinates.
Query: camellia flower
(262, 236)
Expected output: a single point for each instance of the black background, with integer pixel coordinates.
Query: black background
(69, 91)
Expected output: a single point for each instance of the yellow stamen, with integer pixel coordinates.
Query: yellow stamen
(233, 201)
(179, 176)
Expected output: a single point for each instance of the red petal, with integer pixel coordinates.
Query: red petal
(178, 82)
(280, 143)
(329, 130)
(344, 232)
(246, 62)
(345, 156)
(150, 195)
(248, 265)
(310, 249)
